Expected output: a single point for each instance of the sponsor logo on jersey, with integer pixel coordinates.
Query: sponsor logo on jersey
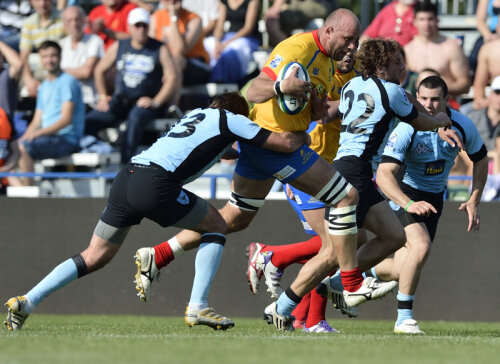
(276, 61)
(284, 173)
(392, 141)
(183, 198)
(305, 155)
(315, 71)
(434, 168)
(312, 200)
(422, 148)
(297, 199)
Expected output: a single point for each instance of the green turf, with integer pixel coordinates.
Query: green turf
(141, 339)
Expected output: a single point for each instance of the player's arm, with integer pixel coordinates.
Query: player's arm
(262, 88)
(386, 180)
(481, 78)
(459, 69)
(479, 177)
(286, 142)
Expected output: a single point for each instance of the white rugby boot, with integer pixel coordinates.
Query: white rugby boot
(146, 272)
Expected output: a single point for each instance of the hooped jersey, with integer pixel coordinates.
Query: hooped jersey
(325, 138)
(306, 49)
(368, 106)
(198, 140)
(428, 158)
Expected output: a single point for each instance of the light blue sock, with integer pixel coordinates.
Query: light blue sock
(206, 265)
(374, 275)
(284, 305)
(59, 277)
(405, 307)
(336, 282)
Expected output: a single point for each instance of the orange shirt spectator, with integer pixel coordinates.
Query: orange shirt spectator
(109, 20)
(162, 19)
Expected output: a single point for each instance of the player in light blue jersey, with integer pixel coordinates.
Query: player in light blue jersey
(151, 186)
(368, 106)
(418, 200)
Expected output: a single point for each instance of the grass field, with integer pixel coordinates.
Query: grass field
(145, 339)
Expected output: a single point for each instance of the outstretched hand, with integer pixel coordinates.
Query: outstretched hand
(451, 137)
(473, 214)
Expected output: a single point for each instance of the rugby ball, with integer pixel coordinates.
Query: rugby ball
(288, 103)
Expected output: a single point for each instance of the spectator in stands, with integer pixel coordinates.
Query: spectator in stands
(44, 24)
(285, 16)
(12, 15)
(146, 79)
(181, 30)
(109, 20)
(429, 49)
(58, 123)
(412, 85)
(487, 121)
(488, 68)
(394, 21)
(80, 52)
(9, 78)
(231, 52)
(62, 4)
(207, 10)
(487, 12)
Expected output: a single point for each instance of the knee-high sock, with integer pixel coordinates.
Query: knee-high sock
(206, 265)
(317, 309)
(66, 272)
(300, 312)
(284, 255)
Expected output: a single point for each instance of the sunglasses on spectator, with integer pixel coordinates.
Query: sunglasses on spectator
(496, 92)
(141, 25)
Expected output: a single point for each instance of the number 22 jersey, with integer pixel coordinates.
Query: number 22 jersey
(368, 106)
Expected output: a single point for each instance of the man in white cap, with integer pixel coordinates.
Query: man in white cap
(487, 121)
(146, 78)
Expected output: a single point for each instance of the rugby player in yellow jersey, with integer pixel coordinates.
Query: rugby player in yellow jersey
(256, 171)
(271, 260)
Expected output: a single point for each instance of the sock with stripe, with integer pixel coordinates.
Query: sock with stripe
(287, 302)
(166, 252)
(405, 307)
(64, 273)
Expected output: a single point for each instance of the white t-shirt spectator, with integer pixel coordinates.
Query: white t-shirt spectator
(90, 45)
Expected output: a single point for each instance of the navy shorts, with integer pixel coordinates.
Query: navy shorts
(431, 221)
(148, 191)
(358, 173)
(261, 164)
(49, 146)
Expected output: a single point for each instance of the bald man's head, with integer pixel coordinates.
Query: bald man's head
(339, 35)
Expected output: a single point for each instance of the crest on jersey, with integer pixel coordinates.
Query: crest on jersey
(276, 61)
(403, 92)
(392, 141)
(422, 148)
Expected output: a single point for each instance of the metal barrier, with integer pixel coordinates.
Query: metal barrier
(111, 175)
(104, 175)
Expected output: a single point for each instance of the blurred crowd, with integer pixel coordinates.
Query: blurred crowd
(66, 72)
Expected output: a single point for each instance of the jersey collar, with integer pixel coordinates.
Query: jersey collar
(316, 39)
